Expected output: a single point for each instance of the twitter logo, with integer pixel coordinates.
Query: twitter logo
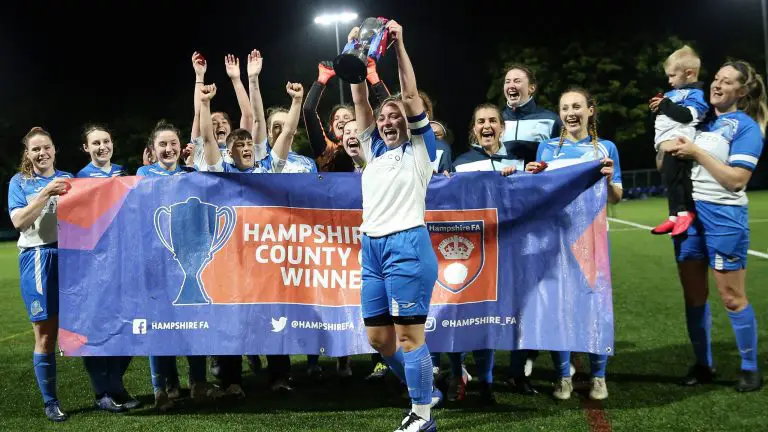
(279, 324)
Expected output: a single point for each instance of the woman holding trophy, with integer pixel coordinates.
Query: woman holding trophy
(399, 266)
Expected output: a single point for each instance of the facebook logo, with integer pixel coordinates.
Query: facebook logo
(139, 326)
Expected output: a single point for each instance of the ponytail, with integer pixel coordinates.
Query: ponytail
(755, 102)
(26, 168)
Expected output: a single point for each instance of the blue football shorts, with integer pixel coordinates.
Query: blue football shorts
(39, 277)
(719, 234)
(399, 273)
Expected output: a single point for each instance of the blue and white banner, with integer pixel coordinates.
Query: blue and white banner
(210, 263)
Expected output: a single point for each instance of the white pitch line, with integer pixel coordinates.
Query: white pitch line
(637, 225)
(15, 335)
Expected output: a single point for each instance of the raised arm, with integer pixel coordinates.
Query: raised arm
(318, 140)
(232, 65)
(211, 146)
(410, 93)
(259, 126)
(200, 66)
(379, 89)
(285, 139)
(363, 109)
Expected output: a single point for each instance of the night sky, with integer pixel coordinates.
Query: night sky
(114, 62)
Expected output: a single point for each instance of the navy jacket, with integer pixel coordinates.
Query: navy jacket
(527, 126)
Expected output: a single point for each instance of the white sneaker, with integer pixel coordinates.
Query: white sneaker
(573, 369)
(563, 388)
(435, 370)
(528, 367)
(414, 423)
(599, 389)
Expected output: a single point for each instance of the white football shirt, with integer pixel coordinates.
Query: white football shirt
(395, 180)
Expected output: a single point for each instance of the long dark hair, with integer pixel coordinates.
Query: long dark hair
(472, 137)
(334, 110)
(162, 126)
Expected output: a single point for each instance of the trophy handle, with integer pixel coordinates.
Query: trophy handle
(379, 44)
(221, 236)
(158, 229)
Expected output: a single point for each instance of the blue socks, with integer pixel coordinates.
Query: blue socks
(396, 364)
(484, 363)
(598, 363)
(418, 374)
(158, 369)
(745, 328)
(699, 322)
(455, 360)
(197, 372)
(45, 371)
(117, 372)
(561, 361)
(313, 360)
(116, 368)
(98, 372)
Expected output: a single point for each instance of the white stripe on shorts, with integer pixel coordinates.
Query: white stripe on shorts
(38, 273)
(395, 308)
(718, 261)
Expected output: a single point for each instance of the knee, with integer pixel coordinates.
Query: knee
(734, 303)
(410, 342)
(382, 344)
(734, 299)
(45, 344)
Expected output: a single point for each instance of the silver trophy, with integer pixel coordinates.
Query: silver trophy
(352, 64)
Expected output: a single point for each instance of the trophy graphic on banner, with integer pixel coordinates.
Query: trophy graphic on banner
(352, 64)
(196, 230)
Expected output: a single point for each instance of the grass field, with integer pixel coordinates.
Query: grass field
(652, 353)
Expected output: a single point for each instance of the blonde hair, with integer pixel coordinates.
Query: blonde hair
(591, 123)
(755, 102)
(26, 168)
(684, 58)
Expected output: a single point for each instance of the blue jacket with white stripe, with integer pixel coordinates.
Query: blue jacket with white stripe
(525, 127)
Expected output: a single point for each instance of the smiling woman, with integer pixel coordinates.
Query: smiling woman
(32, 199)
(97, 142)
(399, 263)
(526, 125)
(725, 152)
(578, 143)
